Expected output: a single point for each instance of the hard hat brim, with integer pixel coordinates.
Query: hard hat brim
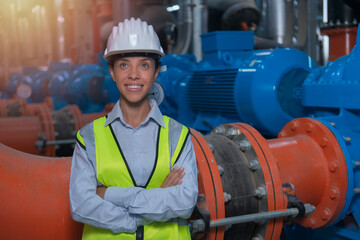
(136, 52)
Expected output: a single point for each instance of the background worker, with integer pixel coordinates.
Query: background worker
(134, 171)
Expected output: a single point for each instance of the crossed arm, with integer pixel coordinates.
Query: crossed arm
(124, 209)
(174, 178)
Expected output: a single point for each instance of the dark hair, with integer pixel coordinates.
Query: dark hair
(113, 58)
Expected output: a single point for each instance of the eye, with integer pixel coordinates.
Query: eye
(144, 66)
(122, 65)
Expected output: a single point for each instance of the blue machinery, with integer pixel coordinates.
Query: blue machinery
(236, 83)
(88, 86)
(264, 88)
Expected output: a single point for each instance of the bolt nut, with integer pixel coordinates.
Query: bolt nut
(282, 134)
(232, 131)
(260, 192)
(219, 130)
(254, 165)
(347, 139)
(310, 222)
(334, 193)
(227, 197)
(325, 214)
(211, 147)
(309, 127)
(244, 145)
(257, 237)
(221, 170)
(324, 141)
(333, 166)
(293, 125)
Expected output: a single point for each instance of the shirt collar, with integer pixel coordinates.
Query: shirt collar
(154, 114)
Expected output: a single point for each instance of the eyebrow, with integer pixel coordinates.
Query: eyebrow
(127, 60)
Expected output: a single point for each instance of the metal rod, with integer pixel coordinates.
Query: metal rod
(259, 216)
(45, 143)
(356, 190)
(199, 226)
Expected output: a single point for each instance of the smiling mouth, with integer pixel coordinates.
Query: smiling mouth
(134, 86)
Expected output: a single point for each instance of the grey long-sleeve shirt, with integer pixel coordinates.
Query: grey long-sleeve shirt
(124, 209)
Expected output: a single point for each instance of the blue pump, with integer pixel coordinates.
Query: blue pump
(234, 83)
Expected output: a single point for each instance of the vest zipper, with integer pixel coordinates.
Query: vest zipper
(140, 233)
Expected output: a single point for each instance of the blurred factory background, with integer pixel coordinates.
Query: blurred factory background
(269, 87)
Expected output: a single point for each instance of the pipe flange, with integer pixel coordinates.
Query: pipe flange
(255, 147)
(334, 198)
(76, 116)
(3, 108)
(209, 183)
(260, 193)
(49, 103)
(15, 108)
(46, 121)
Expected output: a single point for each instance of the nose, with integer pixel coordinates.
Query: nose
(134, 74)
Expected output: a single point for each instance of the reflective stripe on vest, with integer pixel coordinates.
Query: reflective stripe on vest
(112, 170)
(80, 140)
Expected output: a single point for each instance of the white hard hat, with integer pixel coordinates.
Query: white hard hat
(133, 36)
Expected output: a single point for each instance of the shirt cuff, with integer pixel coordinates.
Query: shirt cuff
(121, 196)
(115, 195)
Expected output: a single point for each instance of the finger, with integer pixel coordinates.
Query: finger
(175, 173)
(177, 179)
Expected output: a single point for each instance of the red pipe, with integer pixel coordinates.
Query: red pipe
(21, 133)
(96, 31)
(341, 41)
(34, 197)
(308, 155)
(19, 107)
(305, 154)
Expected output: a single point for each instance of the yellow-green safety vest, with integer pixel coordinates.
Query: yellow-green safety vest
(112, 170)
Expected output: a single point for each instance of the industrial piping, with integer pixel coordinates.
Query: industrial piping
(240, 174)
(44, 132)
(18, 107)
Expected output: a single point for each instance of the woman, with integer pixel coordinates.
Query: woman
(134, 171)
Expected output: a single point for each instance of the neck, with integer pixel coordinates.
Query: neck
(135, 113)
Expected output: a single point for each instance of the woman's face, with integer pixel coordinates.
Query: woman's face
(134, 77)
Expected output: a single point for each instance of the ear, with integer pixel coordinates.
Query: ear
(156, 74)
(111, 69)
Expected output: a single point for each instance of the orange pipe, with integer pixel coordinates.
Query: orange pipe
(310, 157)
(34, 201)
(21, 133)
(341, 41)
(12, 107)
(96, 31)
(37, 201)
(211, 194)
(36, 188)
(30, 108)
(307, 155)
(276, 200)
(19, 107)
(290, 152)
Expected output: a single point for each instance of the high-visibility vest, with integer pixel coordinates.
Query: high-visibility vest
(112, 170)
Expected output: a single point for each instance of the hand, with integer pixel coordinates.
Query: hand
(174, 177)
(101, 191)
